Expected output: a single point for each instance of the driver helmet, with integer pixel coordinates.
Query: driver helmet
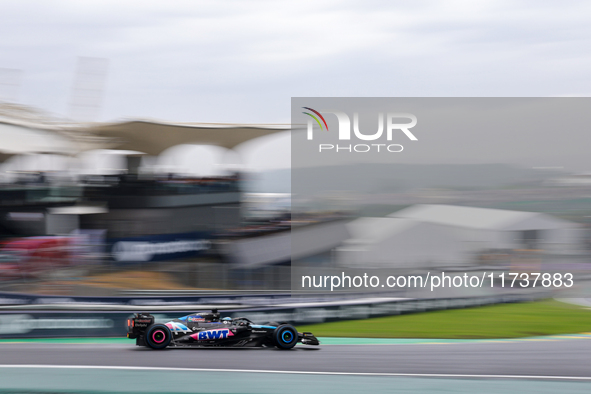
(227, 319)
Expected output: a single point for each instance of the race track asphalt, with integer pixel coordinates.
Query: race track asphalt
(555, 357)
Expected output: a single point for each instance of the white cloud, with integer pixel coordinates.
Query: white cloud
(242, 61)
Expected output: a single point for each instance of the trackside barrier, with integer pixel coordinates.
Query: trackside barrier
(7, 299)
(48, 324)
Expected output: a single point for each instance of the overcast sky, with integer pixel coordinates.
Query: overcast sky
(242, 61)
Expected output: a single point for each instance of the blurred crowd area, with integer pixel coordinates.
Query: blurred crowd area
(152, 184)
(104, 234)
(165, 184)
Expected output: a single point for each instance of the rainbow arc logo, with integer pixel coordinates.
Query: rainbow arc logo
(315, 118)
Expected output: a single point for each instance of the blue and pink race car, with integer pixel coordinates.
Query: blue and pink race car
(207, 329)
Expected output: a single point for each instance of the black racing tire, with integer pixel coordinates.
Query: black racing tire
(285, 336)
(158, 336)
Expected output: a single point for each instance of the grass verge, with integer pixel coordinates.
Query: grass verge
(539, 318)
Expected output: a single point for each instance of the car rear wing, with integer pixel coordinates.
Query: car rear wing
(138, 324)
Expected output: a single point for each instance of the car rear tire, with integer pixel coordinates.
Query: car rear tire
(158, 336)
(285, 336)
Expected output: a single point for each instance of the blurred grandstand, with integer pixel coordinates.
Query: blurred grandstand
(67, 231)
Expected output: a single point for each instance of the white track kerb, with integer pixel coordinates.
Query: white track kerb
(422, 375)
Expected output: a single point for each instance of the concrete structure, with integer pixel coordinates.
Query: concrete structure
(397, 243)
(444, 235)
(484, 228)
(295, 244)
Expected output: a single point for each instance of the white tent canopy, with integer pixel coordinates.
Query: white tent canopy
(481, 218)
(155, 137)
(398, 243)
(16, 139)
(484, 228)
(444, 235)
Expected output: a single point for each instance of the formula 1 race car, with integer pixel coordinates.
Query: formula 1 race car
(206, 329)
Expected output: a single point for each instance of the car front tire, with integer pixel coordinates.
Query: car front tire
(285, 336)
